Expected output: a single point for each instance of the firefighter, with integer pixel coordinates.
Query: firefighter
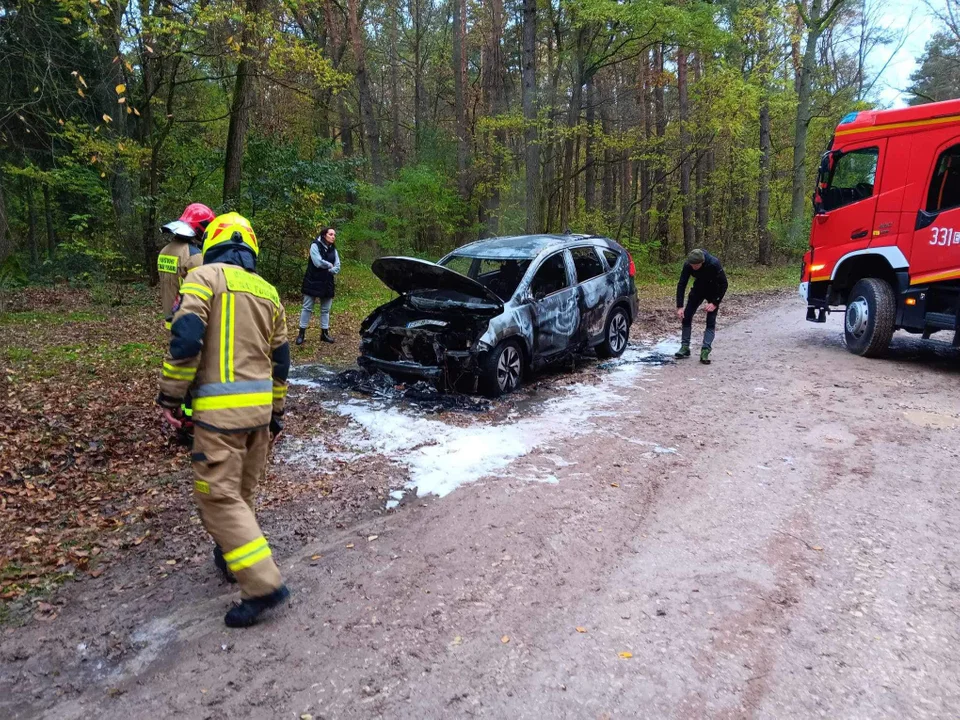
(709, 285)
(229, 336)
(181, 254)
(176, 259)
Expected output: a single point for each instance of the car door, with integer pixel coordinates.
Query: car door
(935, 254)
(596, 290)
(556, 314)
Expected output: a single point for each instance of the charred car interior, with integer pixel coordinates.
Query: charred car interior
(489, 312)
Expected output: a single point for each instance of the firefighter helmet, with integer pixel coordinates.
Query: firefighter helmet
(232, 227)
(192, 222)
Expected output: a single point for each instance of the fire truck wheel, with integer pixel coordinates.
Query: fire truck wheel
(868, 322)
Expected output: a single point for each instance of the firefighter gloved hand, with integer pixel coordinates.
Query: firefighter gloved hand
(276, 426)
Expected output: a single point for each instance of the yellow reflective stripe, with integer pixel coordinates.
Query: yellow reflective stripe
(227, 402)
(245, 549)
(201, 487)
(167, 324)
(249, 560)
(201, 291)
(230, 337)
(179, 373)
(192, 291)
(279, 392)
(167, 263)
(224, 320)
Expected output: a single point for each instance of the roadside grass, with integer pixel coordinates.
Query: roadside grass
(661, 281)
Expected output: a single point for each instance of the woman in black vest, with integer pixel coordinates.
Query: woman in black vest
(318, 284)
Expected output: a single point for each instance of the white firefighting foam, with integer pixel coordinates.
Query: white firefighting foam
(441, 456)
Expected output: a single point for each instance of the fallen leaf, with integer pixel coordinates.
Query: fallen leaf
(818, 548)
(316, 557)
(581, 629)
(121, 88)
(349, 545)
(107, 118)
(457, 640)
(80, 92)
(371, 538)
(171, 562)
(626, 655)
(505, 639)
(121, 101)
(614, 484)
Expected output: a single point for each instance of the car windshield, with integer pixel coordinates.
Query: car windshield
(500, 276)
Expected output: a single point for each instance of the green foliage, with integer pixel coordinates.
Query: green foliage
(420, 212)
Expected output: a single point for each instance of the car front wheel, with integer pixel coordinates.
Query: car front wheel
(502, 370)
(616, 335)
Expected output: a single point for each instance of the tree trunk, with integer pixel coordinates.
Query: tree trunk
(608, 194)
(492, 70)
(573, 122)
(531, 153)
(687, 201)
(6, 244)
(460, 94)
(393, 21)
(417, 16)
(646, 200)
(763, 196)
(32, 223)
(817, 22)
(244, 94)
(48, 220)
(660, 120)
(367, 116)
(589, 162)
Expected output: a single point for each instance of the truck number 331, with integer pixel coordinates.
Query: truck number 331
(945, 236)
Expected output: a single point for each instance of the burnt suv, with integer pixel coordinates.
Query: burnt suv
(488, 312)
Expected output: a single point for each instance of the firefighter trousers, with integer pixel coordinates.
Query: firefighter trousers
(227, 468)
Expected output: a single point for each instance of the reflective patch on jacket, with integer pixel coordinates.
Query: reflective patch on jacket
(168, 263)
(239, 280)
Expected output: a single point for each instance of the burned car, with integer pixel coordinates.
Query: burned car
(488, 312)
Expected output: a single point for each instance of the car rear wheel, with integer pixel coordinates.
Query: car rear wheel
(502, 370)
(868, 321)
(616, 335)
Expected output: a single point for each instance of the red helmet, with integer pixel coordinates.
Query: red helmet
(193, 221)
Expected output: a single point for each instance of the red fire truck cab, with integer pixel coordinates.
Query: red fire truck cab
(885, 238)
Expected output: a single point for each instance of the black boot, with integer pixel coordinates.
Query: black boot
(222, 565)
(300, 336)
(247, 612)
(325, 337)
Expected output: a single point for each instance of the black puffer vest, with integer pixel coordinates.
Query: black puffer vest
(318, 282)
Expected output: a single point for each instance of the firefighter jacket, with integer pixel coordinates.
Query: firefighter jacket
(229, 334)
(177, 258)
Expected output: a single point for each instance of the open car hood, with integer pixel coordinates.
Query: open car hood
(406, 275)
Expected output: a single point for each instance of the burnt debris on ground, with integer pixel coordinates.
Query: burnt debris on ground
(424, 395)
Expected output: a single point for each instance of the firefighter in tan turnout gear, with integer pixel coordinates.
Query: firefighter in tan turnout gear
(181, 254)
(229, 335)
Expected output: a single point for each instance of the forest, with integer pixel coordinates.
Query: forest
(415, 126)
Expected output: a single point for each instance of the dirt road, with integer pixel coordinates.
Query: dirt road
(773, 536)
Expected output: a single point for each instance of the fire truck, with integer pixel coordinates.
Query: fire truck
(885, 237)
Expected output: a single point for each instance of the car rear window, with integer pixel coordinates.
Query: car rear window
(587, 262)
(612, 258)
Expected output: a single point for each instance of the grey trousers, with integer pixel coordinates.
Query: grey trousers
(308, 303)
